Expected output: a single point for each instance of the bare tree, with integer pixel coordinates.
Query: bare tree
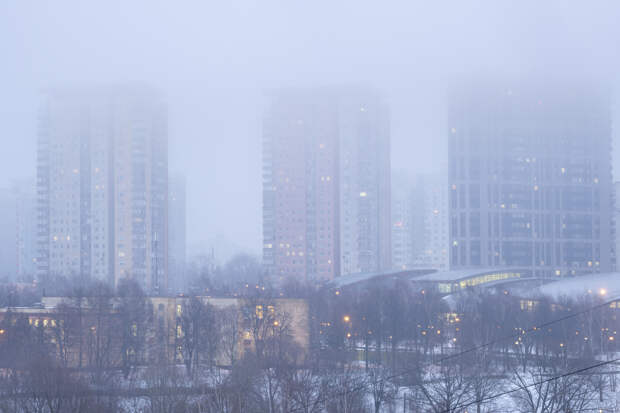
(380, 387)
(65, 331)
(306, 390)
(446, 390)
(197, 333)
(135, 314)
(347, 389)
(230, 329)
(543, 391)
(103, 329)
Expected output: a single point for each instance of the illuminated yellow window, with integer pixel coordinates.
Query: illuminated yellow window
(179, 331)
(179, 310)
(259, 311)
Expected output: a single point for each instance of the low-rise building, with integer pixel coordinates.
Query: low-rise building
(256, 320)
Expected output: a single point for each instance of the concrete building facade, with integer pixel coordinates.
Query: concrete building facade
(326, 184)
(530, 177)
(177, 242)
(102, 174)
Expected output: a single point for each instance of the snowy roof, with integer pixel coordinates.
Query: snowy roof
(607, 284)
(349, 279)
(458, 275)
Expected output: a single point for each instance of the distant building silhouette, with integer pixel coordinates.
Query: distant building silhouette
(102, 176)
(177, 256)
(530, 177)
(326, 183)
(420, 222)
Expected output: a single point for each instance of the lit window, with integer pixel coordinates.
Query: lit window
(363, 194)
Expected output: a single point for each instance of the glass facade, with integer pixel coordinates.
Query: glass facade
(530, 178)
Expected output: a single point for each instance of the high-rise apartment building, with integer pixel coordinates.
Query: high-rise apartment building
(176, 233)
(326, 184)
(530, 177)
(420, 222)
(616, 226)
(102, 175)
(431, 239)
(403, 222)
(26, 228)
(8, 235)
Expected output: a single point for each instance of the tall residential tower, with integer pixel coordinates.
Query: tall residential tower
(102, 176)
(530, 177)
(177, 257)
(326, 184)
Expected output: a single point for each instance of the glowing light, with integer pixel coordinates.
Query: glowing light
(346, 318)
(602, 291)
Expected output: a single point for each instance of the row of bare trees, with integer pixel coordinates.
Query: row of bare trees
(373, 349)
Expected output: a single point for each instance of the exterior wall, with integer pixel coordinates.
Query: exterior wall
(176, 234)
(300, 211)
(102, 185)
(530, 177)
(616, 224)
(167, 310)
(8, 235)
(432, 239)
(403, 220)
(420, 223)
(365, 223)
(26, 221)
(326, 201)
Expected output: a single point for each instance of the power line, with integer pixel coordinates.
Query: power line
(537, 383)
(535, 328)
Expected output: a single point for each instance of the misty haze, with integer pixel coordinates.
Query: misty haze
(314, 207)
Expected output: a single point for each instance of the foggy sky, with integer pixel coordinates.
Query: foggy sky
(214, 60)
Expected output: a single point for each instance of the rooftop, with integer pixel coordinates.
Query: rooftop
(463, 274)
(350, 279)
(607, 284)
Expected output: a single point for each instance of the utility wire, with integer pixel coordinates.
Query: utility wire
(535, 328)
(537, 383)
